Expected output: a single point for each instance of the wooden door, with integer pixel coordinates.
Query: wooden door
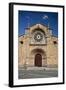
(38, 60)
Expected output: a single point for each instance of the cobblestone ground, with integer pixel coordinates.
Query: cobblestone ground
(26, 74)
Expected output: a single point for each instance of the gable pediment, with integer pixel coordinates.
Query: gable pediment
(39, 27)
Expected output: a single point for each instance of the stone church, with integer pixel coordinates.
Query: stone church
(38, 47)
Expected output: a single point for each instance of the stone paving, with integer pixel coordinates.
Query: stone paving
(26, 74)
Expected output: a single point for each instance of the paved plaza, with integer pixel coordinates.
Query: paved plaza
(26, 74)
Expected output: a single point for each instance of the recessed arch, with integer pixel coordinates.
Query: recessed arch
(39, 57)
(38, 29)
(39, 50)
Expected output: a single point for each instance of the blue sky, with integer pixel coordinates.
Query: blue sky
(37, 17)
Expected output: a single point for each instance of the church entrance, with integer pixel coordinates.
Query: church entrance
(38, 60)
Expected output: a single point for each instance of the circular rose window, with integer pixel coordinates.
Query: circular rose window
(38, 36)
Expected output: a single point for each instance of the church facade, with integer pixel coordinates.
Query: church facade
(38, 47)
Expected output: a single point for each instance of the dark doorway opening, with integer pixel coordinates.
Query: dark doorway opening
(38, 60)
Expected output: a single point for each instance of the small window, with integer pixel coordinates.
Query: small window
(55, 42)
(21, 42)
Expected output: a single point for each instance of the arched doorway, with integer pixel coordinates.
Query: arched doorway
(38, 60)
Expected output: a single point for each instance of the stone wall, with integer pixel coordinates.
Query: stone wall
(50, 49)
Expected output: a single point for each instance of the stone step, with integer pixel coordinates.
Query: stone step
(38, 68)
(35, 68)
